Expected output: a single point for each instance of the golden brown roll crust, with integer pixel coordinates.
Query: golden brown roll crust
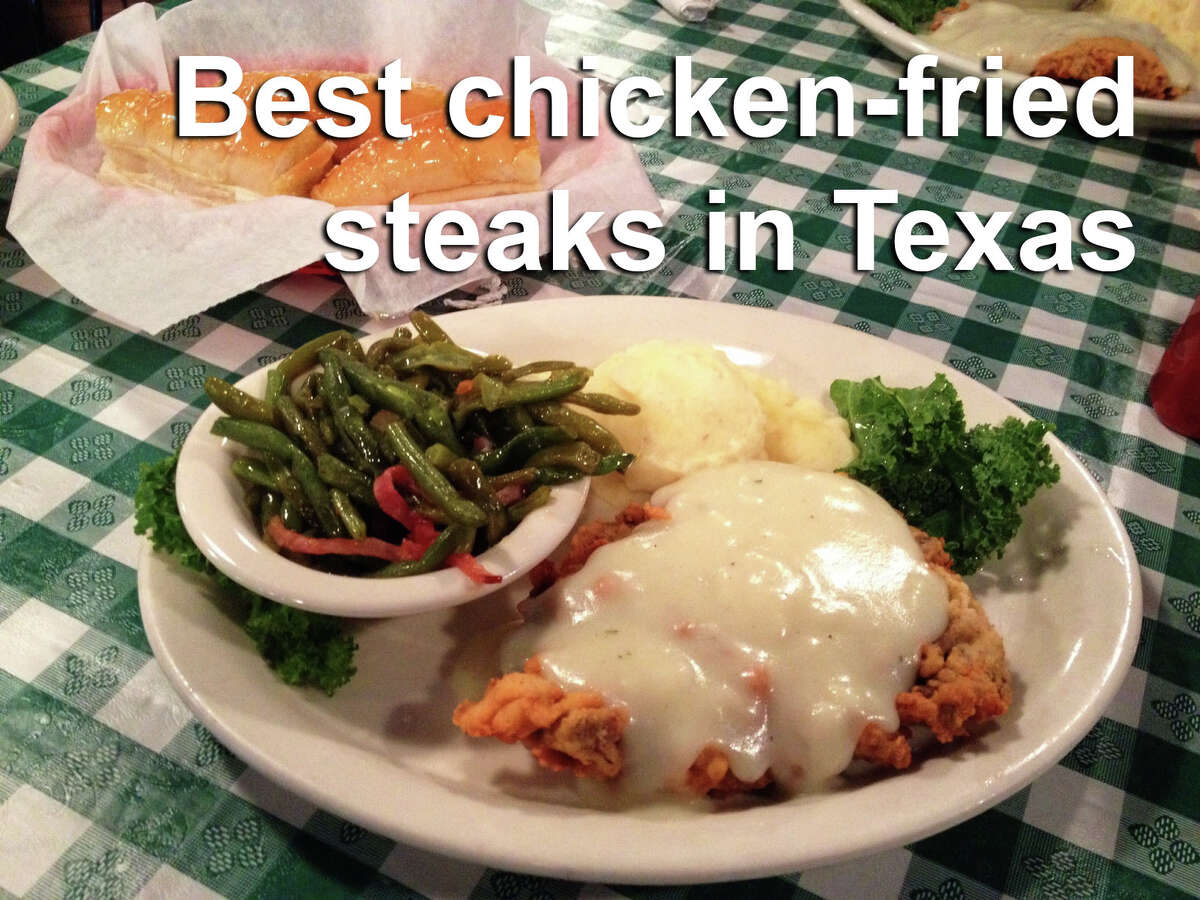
(420, 100)
(139, 133)
(436, 164)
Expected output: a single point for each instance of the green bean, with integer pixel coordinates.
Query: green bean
(516, 476)
(275, 386)
(270, 440)
(606, 404)
(446, 356)
(442, 546)
(578, 425)
(433, 483)
(299, 426)
(325, 426)
(444, 348)
(254, 472)
(441, 456)
(290, 490)
(427, 329)
(359, 405)
(307, 393)
(348, 422)
(268, 509)
(465, 542)
(520, 448)
(576, 455)
(423, 408)
(291, 517)
(556, 475)
(337, 474)
(351, 520)
(613, 462)
(397, 343)
(533, 368)
(428, 510)
(517, 418)
(305, 356)
(497, 394)
(470, 480)
(235, 402)
(523, 507)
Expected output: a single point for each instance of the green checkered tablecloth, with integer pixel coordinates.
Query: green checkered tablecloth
(108, 787)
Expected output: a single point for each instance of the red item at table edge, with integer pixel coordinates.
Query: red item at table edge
(1175, 387)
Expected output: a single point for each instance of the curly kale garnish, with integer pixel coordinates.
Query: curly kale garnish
(303, 648)
(967, 486)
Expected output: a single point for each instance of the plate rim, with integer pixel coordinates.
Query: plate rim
(1156, 115)
(658, 871)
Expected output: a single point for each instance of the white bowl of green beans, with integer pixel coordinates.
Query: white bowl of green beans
(288, 482)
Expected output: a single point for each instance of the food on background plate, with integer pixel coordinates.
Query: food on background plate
(1059, 40)
(420, 99)
(437, 164)
(698, 409)
(759, 624)
(413, 455)
(138, 131)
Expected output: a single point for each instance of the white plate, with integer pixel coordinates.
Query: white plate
(383, 753)
(9, 113)
(1182, 114)
(210, 503)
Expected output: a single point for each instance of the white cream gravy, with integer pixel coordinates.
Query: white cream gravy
(765, 575)
(1023, 33)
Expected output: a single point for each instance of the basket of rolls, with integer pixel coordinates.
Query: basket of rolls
(149, 224)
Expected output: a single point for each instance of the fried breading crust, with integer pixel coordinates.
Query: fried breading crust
(962, 677)
(1091, 57)
(579, 730)
(962, 682)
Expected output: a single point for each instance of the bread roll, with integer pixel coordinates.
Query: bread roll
(436, 164)
(139, 133)
(417, 101)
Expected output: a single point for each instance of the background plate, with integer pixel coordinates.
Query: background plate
(383, 753)
(1182, 114)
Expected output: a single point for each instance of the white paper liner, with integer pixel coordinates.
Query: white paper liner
(151, 259)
